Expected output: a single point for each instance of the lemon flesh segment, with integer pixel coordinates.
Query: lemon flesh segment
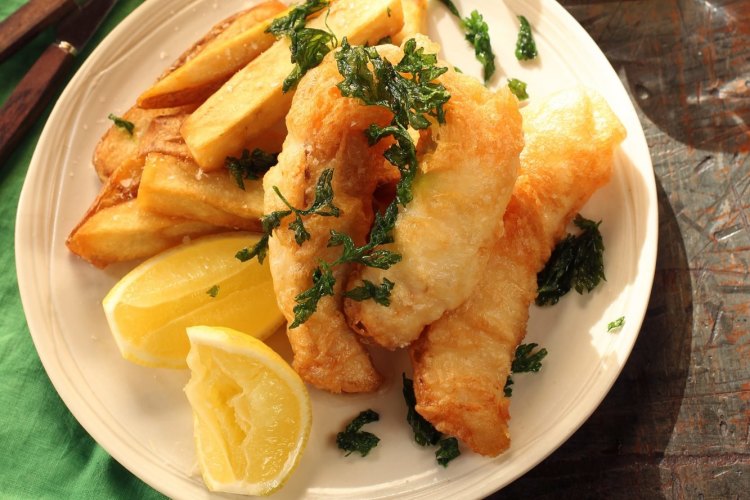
(150, 307)
(251, 411)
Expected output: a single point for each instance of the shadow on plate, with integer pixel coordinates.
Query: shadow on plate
(617, 452)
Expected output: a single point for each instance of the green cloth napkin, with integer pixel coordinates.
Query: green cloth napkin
(44, 452)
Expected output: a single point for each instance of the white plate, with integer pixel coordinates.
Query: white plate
(141, 417)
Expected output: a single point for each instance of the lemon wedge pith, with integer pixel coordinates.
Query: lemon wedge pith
(251, 411)
(196, 283)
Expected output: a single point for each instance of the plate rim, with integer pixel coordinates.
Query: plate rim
(28, 264)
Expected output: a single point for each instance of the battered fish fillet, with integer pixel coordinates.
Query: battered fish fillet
(325, 131)
(462, 361)
(445, 233)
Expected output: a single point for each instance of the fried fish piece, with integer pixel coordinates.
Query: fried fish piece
(325, 131)
(462, 361)
(445, 233)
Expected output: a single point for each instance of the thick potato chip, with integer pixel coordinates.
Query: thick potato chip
(199, 76)
(118, 146)
(252, 99)
(120, 187)
(415, 20)
(125, 232)
(175, 187)
(163, 136)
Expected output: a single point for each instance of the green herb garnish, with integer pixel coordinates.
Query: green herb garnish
(307, 301)
(308, 46)
(451, 7)
(322, 205)
(518, 88)
(424, 432)
(477, 34)
(448, 451)
(369, 290)
(616, 324)
(353, 439)
(576, 262)
(285, 26)
(213, 291)
(259, 250)
(525, 45)
(406, 89)
(369, 255)
(508, 390)
(554, 280)
(250, 166)
(524, 361)
(127, 126)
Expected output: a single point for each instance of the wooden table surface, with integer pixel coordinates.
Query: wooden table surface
(677, 422)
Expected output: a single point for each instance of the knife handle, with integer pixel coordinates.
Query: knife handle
(23, 24)
(31, 96)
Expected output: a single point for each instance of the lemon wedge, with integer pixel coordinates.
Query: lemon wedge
(197, 283)
(251, 411)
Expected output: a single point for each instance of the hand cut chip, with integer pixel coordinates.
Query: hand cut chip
(252, 100)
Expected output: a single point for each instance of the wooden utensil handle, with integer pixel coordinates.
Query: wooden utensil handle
(31, 96)
(29, 20)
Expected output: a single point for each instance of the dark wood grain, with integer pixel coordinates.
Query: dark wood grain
(29, 20)
(30, 97)
(677, 421)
